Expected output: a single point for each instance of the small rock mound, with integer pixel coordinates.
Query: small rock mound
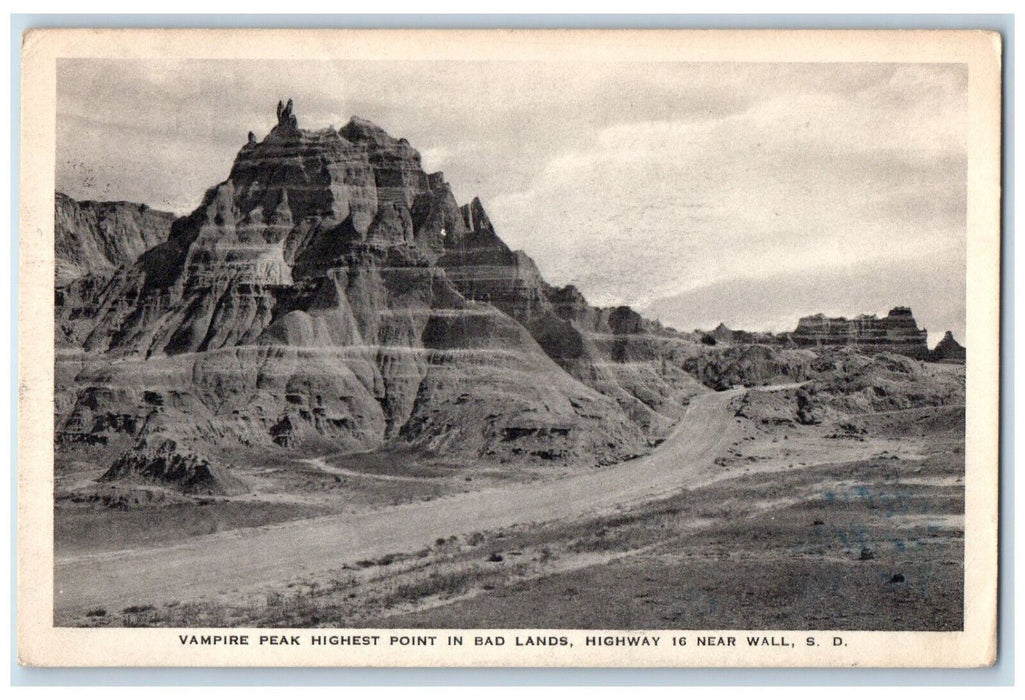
(948, 350)
(749, 365)
(885, 382)
(166, 464)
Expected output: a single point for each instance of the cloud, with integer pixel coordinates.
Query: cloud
(637, 182)
(794, 183)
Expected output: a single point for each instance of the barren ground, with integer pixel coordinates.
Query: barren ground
(730, 523)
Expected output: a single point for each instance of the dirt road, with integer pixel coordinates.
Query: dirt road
(250, 559)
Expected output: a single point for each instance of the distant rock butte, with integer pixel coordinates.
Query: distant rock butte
(331, 295)
(897, 332)
(948, 350)
(725, 334)
(722, 334)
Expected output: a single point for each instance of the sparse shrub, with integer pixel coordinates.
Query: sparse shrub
(213, 616)
(189, 615)
(133, 609)
(300, 605)
(435, 584)
(621, 520)
(475, 539)
(340, 583)
(597, 543)
(138, 616)
(496, 557)
(97, 612)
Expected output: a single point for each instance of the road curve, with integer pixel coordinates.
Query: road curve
(251, 558)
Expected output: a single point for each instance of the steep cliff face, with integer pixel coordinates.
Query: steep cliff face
(330, 294)
(97, 237)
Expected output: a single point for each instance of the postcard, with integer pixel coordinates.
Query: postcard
(619, 348)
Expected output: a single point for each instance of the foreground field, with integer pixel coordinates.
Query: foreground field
(781, 527)
(866, 545)
(231, 563)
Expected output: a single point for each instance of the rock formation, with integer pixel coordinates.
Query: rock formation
(897, 332)
(722, 334)
(331, 295)
(97, 237)
(163, 464)
(613, 350)
(948, 350)
(750, 365)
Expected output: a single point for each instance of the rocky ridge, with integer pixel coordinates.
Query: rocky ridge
(97, 237)
(897, 332)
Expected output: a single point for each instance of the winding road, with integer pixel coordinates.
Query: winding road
(249, 559)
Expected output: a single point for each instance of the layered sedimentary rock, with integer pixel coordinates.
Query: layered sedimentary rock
(330, 294)
(92, 240)
(897, 332)
(948, 350)
(613, 350)
(841, 383)
(97, 237)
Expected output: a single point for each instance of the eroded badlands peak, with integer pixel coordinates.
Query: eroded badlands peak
(330, 292)
(297, 207)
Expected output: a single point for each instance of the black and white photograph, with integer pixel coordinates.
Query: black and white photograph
(527, 350)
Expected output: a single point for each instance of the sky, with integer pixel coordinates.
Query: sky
(698, 193)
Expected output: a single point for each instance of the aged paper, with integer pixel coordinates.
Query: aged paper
(509, 348)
